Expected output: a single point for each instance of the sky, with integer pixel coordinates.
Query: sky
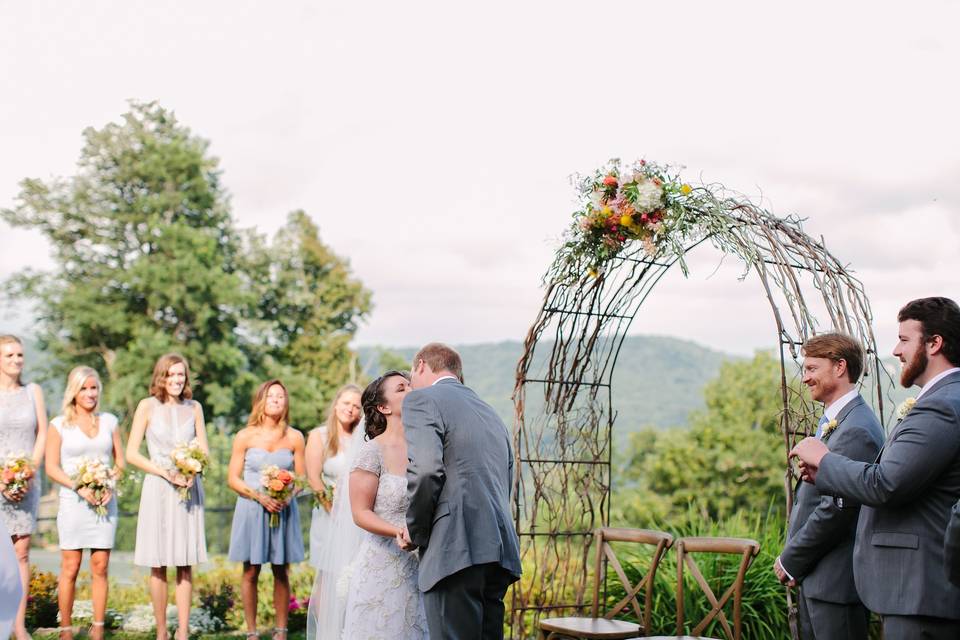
(433, 142)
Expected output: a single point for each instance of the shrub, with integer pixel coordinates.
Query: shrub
(42, 607)
(218, 601)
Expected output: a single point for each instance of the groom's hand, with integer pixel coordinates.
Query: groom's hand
(404, 541)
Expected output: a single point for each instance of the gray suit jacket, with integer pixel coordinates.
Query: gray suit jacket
(819, 549)
(458, 478)
(951, 546)
(907, 494)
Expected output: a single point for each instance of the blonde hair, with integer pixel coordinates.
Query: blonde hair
(260, 405)
(333, 430)
(158, 384)
(9, 338)
(75, 381)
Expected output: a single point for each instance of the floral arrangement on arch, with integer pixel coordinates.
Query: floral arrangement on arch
(644, 201)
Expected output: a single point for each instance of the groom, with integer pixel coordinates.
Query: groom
(459, 477)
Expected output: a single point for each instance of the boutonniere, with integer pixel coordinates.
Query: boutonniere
(905, 407)
(828, 429)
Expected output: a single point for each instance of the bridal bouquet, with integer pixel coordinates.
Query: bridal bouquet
(96, 476)
(15, 475)
(190, 460)
(279, 484)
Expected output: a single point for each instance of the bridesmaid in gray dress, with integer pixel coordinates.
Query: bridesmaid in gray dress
(23, 429)
(169, 530)
(268, 439)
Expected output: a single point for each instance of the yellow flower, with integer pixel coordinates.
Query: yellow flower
(686, 189)
(626, 220)
(606, 211)
(593, 273)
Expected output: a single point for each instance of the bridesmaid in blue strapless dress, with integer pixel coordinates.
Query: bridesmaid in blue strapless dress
(266, 440)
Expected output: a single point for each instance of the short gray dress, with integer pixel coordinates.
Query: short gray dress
(169, 530)
(18, 434)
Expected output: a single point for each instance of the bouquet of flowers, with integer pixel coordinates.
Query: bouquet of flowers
(279, 484)
(15, 475)
(618, 204)
(324, 497)
(98, 477)
(189, 460)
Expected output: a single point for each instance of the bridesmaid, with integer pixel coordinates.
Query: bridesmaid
(81, 432)
(169, 530)
(326, 456)
(266, 440)
(23, 429)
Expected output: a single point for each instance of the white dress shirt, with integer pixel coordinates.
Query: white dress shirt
(935, 379)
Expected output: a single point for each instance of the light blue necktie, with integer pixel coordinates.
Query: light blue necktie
(823, 421)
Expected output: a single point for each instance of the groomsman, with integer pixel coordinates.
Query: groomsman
(819, 551)
(898, 559)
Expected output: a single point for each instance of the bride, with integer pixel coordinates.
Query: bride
(383, 600)
(376, 595)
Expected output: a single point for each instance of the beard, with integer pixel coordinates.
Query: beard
(913, 369)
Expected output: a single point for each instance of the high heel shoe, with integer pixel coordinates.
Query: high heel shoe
(94, 626)
(279, 633)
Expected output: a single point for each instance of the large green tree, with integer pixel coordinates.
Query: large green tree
(308, 307)
(148, 260)
(727, 460)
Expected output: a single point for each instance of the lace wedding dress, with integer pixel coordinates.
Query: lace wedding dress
(383, 600)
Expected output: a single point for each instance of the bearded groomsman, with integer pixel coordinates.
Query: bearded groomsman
(898, 559)
(818, 555)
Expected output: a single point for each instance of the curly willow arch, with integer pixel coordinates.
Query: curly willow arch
(564, 412)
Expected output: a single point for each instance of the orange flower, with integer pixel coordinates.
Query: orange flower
(285, 476)
(276, 485)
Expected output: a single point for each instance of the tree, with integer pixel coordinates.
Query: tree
(728, 460)
(146, 259)
(307, 311)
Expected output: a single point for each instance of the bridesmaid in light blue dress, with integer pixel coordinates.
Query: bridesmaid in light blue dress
(267, 439)
(79, 433)
(169, 529)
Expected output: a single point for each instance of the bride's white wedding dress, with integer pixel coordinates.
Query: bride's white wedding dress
(383, 600)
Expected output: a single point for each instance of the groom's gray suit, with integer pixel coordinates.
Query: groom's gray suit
(907, 494)
(819, 549)
(459, 477)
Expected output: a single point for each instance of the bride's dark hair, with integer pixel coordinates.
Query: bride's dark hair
(374, 422)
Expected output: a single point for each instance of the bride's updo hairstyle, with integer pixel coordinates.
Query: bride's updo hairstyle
(374, 422)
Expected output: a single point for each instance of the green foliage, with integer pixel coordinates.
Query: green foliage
(42, 599)
(148, 261)
(729, 460)
(218, 600)
(309, 307)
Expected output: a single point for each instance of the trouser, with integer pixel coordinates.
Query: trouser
(468, 605)
(822, 620)
(920, 628)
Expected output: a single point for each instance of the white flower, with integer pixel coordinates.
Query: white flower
(905, 407)
(649, 196)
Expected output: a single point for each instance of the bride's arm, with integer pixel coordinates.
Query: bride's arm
(363, 495)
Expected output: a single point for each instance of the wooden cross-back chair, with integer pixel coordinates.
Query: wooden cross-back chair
(603, 626)
(747, 550)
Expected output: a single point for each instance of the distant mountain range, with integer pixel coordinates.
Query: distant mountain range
(657, 382)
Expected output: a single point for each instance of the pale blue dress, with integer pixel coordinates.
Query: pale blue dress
(252, 539)
(78, 525)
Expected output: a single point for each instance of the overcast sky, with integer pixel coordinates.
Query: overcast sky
(433, 142)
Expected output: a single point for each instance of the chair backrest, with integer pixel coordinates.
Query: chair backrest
(604, 536)
(747, 550)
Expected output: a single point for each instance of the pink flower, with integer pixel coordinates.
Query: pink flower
(610, 181)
